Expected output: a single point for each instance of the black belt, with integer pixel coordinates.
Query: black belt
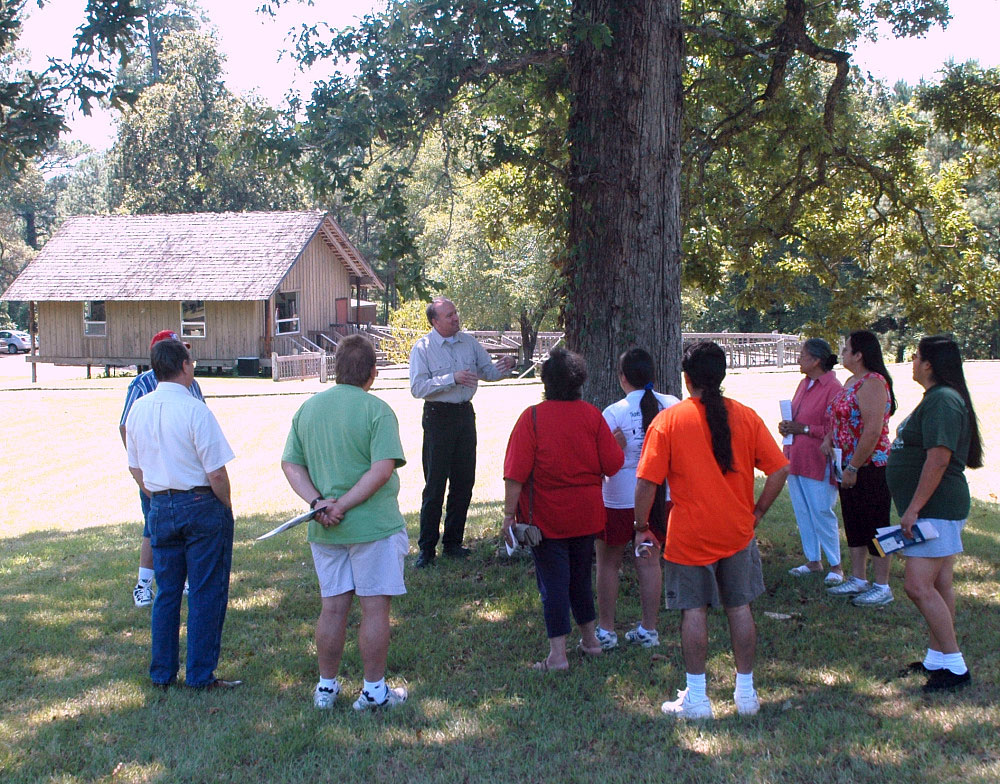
(440, 406)
(201, 489)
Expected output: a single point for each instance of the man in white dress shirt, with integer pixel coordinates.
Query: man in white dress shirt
(178, 454)
(446, 366)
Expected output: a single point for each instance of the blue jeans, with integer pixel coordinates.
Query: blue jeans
(192, 538)
(147, 503)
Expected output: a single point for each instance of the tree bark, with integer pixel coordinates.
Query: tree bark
(529, 337)
(623, 273)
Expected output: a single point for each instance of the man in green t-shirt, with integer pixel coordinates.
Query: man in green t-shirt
(341, 456)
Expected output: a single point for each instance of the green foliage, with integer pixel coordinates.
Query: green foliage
(32, 103)
(795, 170)
(409, 322)
(488, 78)
(189, 145)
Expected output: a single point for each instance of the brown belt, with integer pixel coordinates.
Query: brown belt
(201, 489)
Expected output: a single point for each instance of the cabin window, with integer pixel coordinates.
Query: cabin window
(193, 318)
(286, 313)
(95, 323)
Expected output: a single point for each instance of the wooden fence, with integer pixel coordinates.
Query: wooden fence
(299, 367)
(752, 349)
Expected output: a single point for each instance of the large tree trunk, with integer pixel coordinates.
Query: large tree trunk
(623, 276)
(529, 337)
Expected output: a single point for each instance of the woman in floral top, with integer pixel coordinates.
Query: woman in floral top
(860, 428)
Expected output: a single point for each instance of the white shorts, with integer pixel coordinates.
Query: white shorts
(368, 568)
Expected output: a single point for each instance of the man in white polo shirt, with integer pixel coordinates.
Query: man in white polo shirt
(178, 454)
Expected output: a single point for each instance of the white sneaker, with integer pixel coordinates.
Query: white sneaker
(608, 640)
(393, 697)
(747, 706)
(324, 698)
(850, 587)
(683, 708)
(874, 596)
(644, 638)
(142, 594)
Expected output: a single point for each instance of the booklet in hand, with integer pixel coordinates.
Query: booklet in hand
(890, 539)
(786, 413)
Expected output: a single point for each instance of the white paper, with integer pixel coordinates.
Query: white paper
(511, 543)
(786, 414)
(837, 462)
(290, 524)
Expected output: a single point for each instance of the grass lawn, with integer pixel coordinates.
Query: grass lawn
(76, 705)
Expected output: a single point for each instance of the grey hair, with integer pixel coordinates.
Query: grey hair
(820, 349)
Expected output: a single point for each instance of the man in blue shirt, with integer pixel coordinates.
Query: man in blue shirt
(141, 385)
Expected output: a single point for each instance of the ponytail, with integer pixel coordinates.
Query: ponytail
(636, 365)
(705, 365)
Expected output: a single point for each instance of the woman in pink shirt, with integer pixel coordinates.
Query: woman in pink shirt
(812, 489)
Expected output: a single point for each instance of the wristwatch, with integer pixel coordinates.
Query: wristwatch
(805, 430)
(639, 529)
(850, 468)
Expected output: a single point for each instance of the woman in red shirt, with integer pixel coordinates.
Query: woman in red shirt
(557, 454)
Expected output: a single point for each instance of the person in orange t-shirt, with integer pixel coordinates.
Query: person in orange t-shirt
(707, 448)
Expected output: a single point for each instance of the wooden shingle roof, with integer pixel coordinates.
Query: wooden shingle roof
(196, 256)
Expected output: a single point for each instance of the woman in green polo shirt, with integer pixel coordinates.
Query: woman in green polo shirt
(925, 473)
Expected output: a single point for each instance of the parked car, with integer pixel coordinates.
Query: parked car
(15, 340)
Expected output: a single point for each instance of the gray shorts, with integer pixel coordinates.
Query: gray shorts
(948, 541)
(730, 582)
(368, 569)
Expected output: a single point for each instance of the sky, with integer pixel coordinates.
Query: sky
(253, 44)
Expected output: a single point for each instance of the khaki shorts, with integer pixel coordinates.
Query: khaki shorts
(368, 569)
(730, 582)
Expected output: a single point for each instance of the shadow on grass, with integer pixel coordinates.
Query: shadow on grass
(76, 704)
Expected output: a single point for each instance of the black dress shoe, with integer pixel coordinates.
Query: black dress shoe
(424, 560)
(457, 551)
(946, 680)
(218, 683)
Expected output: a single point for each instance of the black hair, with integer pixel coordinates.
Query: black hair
(820, 349)
(866, 343)
(167, 359)
(354, 361)
(945, 360)
(705, 366)
(563, 374)
(636, 365)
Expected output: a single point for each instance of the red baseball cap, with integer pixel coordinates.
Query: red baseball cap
(166, 334)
